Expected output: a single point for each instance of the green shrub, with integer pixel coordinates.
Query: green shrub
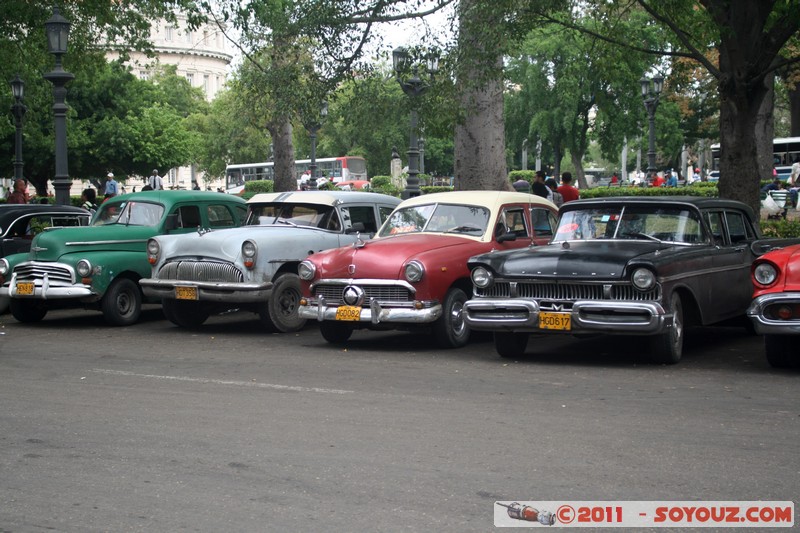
(380, 181)
(527, 175)
(704, 189)
(780, 228)
(431, 189)
(389, 189)
(259, 186)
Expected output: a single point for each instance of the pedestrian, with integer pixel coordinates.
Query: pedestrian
(566, 189)
(89, 200)
(558, 199)
(673, 180)
(539, 188)
(155, 182)
(112, 187)
(795, 172)
(521, 185)
(658, 180)
(20, 193)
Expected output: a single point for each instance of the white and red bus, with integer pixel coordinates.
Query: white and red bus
(336, 169)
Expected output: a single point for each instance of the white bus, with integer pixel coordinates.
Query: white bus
(336, 169)
(785, 151)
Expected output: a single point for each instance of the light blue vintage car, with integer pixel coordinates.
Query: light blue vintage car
(255, 267)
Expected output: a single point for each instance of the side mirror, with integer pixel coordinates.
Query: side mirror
(172, 222)
(508, 236)
(357, 227)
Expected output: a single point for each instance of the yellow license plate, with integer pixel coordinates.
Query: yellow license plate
(349, 313)
(186, 293)
(25, 288)
(560, 321)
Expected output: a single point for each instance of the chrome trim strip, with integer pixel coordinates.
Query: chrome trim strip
(768, 326)
(84, 243)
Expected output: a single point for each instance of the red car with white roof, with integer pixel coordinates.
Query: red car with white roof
(414, 273)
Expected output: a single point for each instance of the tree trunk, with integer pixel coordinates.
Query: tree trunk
(765, 131)
(479, 152)
(281, 132)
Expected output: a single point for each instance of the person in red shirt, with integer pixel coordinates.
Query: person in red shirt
(658, 180)
(20, 193)
(567, 191)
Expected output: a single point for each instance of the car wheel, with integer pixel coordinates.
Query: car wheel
(779, 351)
(450, 330)
(266, 321)
(122, 303)
(284, 304)
(184, 314)
(335, 332)
(667, 348)
(28, 310)
(510, 345)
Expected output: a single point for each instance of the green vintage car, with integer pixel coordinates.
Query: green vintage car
(99, 266)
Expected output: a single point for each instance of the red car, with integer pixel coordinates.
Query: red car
(414, 274)
(775, 310)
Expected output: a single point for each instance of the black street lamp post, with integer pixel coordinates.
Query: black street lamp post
(18, 109)
(414, 86)
(650, 96)
(313, 127)
(57, 29)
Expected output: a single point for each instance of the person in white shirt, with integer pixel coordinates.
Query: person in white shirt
(155, 182)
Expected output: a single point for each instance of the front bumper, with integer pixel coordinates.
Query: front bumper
(208, 291)
(769, 326)
(375, 313)
(611, 316)
(45, 289)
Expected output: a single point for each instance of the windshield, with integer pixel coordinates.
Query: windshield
(129, 214)
(653, 223)
(438, 218)
(313, 215)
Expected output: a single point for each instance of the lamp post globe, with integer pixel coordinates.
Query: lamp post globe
(18, 109)
(650, 93)
(57, 30)
(414, 73)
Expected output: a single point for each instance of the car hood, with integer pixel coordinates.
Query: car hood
(226, 244)
(384, 258)
(576, 259)
(52, 244)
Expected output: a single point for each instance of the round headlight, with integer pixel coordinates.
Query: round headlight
(306, 270)
(643, 279)
(249, 249)
(481, 277)
(153, 247)
(414, 271)
(765, 273)
(4, 268)
(83, 268)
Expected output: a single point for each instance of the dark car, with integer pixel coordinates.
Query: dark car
(628, 265)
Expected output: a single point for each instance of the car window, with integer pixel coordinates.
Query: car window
(438, 218)
(543, 222)
(360, 213)
(129, 213)
(220, 217)
(189, 216)
(29, 226)
(635, 222)
(714, 219)
(314, 215)
(385, 211)
(738, 227)
(514, 220)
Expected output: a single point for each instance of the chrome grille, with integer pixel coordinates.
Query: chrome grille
(549, 290)
(214, 271)
(381, 293)
(56, 273)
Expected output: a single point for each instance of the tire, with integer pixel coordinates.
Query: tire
(779, 351)
(335, 332)
(184, 313)
(284, 304)
(667, 348)
(122, 303)
(450, 330)
(28, 310)
(5, 301)
(266, 321)
(510, 345)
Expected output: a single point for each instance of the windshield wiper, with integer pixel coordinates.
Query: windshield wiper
(464, 229)
(642, 236)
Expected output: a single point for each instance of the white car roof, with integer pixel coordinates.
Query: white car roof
(321, 197)
(491, 199)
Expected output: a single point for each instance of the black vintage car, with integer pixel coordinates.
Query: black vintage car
(19, 223)
(627, 265)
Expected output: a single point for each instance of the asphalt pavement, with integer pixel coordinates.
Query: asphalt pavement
(155, 428)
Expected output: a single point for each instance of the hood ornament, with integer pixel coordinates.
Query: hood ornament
(202, 231)
(351, 269)
(360, 243)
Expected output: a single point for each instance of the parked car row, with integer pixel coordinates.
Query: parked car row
(447, 263)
